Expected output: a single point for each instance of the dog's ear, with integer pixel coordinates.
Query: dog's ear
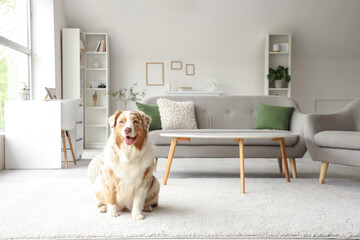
(113, 119)
(146, 120)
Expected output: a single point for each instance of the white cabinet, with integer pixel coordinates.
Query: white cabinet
(273, 59)
(33, 134)
(86, 76)
(76, 136)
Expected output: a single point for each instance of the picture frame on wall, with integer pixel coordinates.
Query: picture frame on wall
(176, 65)
(155, 74)
(190, 69)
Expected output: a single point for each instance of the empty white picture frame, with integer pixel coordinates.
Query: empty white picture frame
(190, 69)
(155, 74)
(176, 65)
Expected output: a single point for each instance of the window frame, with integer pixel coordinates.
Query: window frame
(23, 49)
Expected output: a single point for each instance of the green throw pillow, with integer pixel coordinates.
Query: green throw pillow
(153, 111)
(273, 117)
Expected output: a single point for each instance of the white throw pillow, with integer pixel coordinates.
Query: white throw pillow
(176, 115)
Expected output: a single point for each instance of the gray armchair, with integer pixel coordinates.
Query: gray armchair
(334, 138)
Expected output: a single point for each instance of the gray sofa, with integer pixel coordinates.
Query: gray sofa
(231, 114)
(334, 138)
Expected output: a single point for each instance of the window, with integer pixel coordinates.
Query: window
(15, 52)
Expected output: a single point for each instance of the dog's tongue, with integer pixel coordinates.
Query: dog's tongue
(129, 140)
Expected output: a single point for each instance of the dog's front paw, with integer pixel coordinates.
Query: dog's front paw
(148, 209)
(137, 217)
(103, 209)
(114, 214)
(112, 210)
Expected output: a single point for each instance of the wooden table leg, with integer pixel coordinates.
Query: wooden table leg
(280, 164)
(71, 147)
(170, 158)
(242, 170)
(283, 152)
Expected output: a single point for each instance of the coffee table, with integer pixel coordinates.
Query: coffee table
(239, 138)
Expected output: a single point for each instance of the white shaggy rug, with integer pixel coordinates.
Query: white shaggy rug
(60, 204)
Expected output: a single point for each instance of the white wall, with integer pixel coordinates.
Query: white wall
(59, 24)
(47, 20)
(225, 40)
(43, 47)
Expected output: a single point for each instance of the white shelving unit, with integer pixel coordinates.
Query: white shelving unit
(78, 75)
(96, 117)
(274, 59)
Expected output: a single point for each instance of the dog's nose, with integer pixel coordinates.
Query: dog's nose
(128, 130)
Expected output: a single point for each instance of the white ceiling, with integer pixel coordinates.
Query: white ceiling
(219, 29)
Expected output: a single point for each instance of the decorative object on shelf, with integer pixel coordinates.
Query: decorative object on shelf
(284, 47)
(94, 84)
(276, 48)
(124, 95)
(24, 93)
(176, 65)
(95, 98)
(155, 74)
(280, 76)
(82, 45)
(185, 89)
(168, 86)
(102, 86)
(96, 64)
(190, 69)
(52, 93)
(213, 85)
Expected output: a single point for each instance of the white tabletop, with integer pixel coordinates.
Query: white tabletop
(232, 135)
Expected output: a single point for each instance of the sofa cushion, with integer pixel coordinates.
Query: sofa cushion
(338, 139)
(273, 117)
(153, 111)
(159, 140)
(177, 115)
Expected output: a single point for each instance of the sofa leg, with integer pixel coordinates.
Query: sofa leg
(280, 164)
(293, 167)
(155, 163)
(324, 167)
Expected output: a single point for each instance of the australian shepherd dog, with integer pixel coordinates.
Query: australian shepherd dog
(125, 179)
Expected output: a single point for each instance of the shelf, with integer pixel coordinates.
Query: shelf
(94, 125)
(279, 89)
(95, 69)
(278, 53)
(96, 107)
(95, 53)
(96, 89)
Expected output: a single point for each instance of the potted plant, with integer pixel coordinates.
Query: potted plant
(24, 92)
(124, 95)
(280, 76)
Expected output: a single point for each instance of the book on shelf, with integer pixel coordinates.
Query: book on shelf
(97, 46)
(101, 46)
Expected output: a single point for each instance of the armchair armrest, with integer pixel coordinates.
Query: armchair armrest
(297, 126)
(314, 123)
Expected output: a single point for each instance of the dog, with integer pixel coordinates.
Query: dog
(125, 179)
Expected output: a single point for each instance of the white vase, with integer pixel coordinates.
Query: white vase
(121, 105)
(24, 95)
(280, 83)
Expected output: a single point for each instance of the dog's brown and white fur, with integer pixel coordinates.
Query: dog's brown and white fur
(125, 178)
